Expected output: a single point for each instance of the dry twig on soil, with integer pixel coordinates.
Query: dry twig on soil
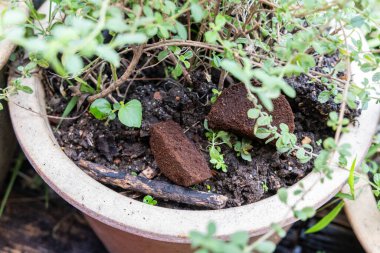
(156, 188)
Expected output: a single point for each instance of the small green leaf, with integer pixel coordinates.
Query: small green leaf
(70, 106)
(100, 109)
(305, 60)
(279, 230)
(220, 20)
(265, 247)
(351, 179)
(246, 157)
(344, 196)
(329, 143)
(300, 153)
(43, 63)
(196, 12)
(177, 71)
(304, 213)
(116, 106)
(376, 179)
(149, 200)
(263, 121)
(240, 238)
(73, 64)
(282, 195)
(262, 133)
(236, 70)
(253, 113)
(108, 54)
(162, 55)
(181, 30)
(211, 36)
(128, 39)
(163, 31)
(13, 17)
(324, 96)
(357, 21)
(326, 220)
(211, 228)
(25, 89)
(376, 77)
(130, 114)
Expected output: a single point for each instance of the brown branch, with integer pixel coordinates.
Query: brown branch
(269, 3)
(113, 86)
(345, 90)
(156, 188)
(222, 77)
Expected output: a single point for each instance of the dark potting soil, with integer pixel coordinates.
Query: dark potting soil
(122, 148)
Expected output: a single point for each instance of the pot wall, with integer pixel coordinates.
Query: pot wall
(119, 220)
(118, 241)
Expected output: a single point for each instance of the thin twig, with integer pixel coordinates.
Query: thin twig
(113, 86)
(345, 91)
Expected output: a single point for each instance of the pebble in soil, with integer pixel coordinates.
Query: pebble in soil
(122, 148)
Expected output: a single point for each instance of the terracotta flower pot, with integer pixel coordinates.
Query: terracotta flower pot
(364, 217)
(128, 225)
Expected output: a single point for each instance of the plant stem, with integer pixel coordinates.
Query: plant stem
(113, 86)
(345, 91)
(19, 161)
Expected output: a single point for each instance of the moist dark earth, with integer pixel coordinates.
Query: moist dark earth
(122, 148)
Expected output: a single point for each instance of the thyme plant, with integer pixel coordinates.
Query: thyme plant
(262, 40)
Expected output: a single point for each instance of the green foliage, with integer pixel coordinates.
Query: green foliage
(371, 167)
(333, 121)
(351, 179)
(258, 46)
(216, 93)
(265, 186)
(182, 60)
(217, 159)
(17, 84)
(149, 200)
(237, 243)
(215, 140)
(197, 12)
(304, 213)
(243, 148)
(130, 114)
(101, 109)
(286, 140)
(282, 195)
(326, 220)
(70, 106)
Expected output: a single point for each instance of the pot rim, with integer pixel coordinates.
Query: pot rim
(172, 225)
